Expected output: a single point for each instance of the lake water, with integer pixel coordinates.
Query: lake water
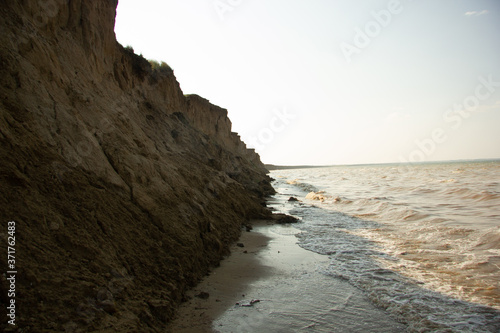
(422, 241)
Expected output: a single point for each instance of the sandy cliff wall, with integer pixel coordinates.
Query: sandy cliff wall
(124, 191)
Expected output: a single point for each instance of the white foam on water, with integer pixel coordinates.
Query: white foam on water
(406, 266)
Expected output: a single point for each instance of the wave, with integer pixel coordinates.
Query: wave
(358, 260)
(426, 236)
(303, 186)
(468, 193)
(379, 208)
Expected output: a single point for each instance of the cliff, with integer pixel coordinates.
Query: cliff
(124, 191)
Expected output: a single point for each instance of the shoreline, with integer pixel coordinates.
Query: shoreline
(225, 285)
(278, 287)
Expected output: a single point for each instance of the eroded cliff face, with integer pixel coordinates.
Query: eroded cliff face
(124, 191)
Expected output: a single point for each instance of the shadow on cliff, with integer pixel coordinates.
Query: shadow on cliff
(124, 191)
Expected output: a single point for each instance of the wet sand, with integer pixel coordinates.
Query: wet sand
(273, 285)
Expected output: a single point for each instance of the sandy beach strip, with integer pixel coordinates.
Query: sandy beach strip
(270, 284)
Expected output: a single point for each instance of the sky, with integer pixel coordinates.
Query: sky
(324, 82)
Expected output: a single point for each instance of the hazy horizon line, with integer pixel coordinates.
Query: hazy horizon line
(310, 166)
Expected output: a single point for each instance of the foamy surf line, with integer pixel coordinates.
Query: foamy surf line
(273, 285)
(441, 220)
(358, 260)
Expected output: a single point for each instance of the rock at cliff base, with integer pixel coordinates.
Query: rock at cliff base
(284, 218)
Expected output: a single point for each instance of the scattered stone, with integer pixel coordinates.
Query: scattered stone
(203, 295)
(293, 199)
(106, 301)
(109, 306)
(248, 228)
(246, 303)
(245, 251)
(283, 218)
(54, 226)
(240, 245)
(103, 295)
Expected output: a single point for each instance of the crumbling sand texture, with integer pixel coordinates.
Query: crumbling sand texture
(124, 191)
